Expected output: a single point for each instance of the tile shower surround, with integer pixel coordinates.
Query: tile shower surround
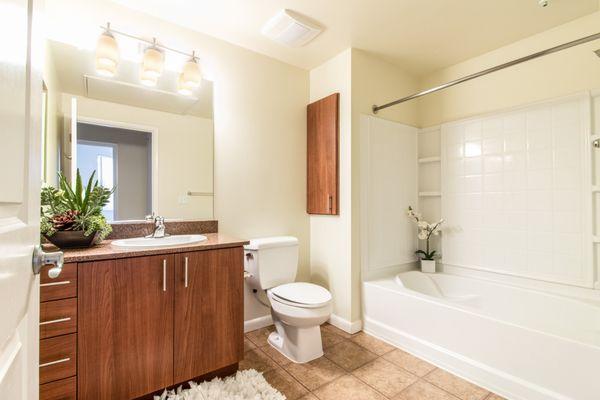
(516, 192)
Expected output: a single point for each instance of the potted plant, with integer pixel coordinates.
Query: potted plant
(426, 230)
(71, 217)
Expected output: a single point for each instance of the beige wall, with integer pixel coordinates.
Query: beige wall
(259, 125)
(330, 236)
(555, 75)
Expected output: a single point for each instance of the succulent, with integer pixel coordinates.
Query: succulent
(78, 208)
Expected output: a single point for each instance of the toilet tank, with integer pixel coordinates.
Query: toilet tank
(271, 261)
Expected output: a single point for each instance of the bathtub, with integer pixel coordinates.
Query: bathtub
(522, 344)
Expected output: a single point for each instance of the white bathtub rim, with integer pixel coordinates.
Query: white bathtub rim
(587, 301)
(441, 302)
(492, 379)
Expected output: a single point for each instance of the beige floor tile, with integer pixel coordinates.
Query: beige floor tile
(422, 390)
(409, 362)
(275, 355)
(337, 331)
(372, 344)
(315, 373)
(285, 383)
(385, 377)
(259, 337)
(494, 396)
(256, 359)
(329, 338)
(457, 386)
(309, 396)
(349, 355)
(347, 387)
(248, 345)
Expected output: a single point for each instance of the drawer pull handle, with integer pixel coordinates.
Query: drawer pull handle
(55, 321)
(186, 272)
(63, 360)
(164, 275)
(55, 283)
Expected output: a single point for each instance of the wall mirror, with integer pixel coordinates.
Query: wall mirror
(153, 144)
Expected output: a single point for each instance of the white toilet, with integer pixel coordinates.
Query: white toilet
(298, 308)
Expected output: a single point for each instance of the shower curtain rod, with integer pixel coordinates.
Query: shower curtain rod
(542, 53)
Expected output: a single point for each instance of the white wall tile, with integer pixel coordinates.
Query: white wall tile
(519, 208)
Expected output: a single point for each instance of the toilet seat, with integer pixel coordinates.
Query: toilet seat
(301, 294)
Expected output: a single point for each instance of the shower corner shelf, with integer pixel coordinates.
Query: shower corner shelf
(595, 189)
(430, 194)
(429, 160)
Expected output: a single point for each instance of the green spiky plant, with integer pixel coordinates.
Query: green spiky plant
(76, 208)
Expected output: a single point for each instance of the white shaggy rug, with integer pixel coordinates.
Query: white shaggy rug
(245, 385)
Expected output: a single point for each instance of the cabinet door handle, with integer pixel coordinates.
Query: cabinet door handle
(164, 275)
(330, 203)
(63, 360)
(185, 273)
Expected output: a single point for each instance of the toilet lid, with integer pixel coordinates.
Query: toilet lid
(302, 293)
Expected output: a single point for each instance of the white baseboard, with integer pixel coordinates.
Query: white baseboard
(257, 323)
(506, 385)
(344, 324)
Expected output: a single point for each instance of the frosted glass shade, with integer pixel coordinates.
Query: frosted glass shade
(152, 63)
(191, 76)
(107, 55)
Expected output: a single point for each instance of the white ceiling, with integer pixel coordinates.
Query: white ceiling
(418, 35)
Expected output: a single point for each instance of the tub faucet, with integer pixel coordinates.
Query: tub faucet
(159, 227)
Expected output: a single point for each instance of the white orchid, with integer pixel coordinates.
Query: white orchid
(426, 230)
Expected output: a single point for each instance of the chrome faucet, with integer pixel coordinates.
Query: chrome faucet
(159, 226)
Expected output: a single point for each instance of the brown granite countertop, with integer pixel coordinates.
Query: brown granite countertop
(104, 250)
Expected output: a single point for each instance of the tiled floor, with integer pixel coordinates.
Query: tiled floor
(357, 367)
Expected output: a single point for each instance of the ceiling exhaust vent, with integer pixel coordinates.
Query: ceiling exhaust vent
(291, 29)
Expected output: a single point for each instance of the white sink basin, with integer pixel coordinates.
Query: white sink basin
(149, 243)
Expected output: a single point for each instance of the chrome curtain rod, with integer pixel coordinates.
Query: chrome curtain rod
(542, 53)
(152, 42)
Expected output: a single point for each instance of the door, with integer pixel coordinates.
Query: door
(209, 311)
(20, 163)
(69, 141)
(125, 327)
(322, 156)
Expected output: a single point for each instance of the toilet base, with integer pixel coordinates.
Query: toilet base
(300, 345)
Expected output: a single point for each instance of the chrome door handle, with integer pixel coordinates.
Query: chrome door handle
(185, 273)
(41, 258)
(164, 275)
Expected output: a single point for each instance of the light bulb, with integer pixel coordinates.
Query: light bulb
(148, 79)
(183, 88)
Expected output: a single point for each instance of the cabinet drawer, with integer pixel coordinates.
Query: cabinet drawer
(62, 287)
(65, 389)
(58, 317)
(58, 357)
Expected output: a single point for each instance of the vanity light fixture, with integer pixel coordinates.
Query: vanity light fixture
(107, 53)
(153, 60)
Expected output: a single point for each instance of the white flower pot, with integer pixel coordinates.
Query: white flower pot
(428, 266)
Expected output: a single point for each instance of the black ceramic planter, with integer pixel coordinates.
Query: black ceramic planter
(71, 239)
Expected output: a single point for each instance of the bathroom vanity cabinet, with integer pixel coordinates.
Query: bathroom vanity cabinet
(144, 323)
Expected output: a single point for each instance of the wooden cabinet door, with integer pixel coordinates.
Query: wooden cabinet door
(322, 156)
(125, 327)
(209, 311)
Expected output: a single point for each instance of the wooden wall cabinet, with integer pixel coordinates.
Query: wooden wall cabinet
(323, 156)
